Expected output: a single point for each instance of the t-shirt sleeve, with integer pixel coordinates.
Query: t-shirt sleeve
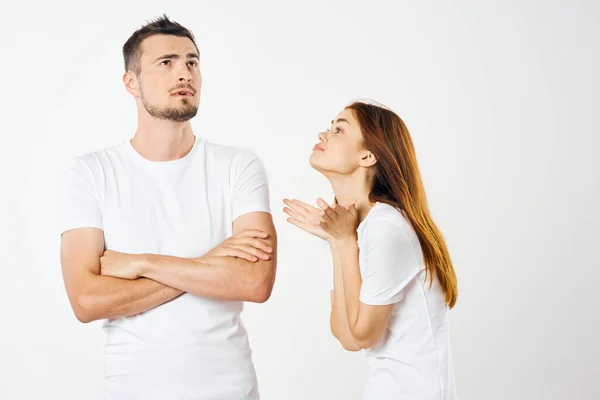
(391, 263)
(250, 185)
(80, 203)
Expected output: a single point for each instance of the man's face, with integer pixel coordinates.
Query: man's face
(169, 78)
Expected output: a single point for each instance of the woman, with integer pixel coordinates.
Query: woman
(390, 298)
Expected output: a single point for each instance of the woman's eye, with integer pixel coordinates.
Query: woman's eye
(165, 62)
(192, 64)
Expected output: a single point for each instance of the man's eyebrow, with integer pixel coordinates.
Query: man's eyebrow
(176, 56)
(167, 57)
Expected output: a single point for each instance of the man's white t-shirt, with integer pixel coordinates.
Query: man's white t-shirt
(191, 347)
(413, 359)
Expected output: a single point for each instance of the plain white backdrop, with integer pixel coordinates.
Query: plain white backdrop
(501, 98)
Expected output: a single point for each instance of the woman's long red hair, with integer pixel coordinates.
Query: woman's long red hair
(397, 181)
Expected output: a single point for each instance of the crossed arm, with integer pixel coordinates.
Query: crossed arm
(137, 283)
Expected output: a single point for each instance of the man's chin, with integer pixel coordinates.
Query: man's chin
(181, 114)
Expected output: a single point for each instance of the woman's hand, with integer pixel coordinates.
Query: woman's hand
(306, 217)
(340, 223)
(325, 222)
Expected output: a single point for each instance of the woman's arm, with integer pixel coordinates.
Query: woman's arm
(338, 319)
(353, 333)
(365, 323)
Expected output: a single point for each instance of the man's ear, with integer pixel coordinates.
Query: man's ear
(131, 82)
(367, 159)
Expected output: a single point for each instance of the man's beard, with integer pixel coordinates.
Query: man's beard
(184, 113)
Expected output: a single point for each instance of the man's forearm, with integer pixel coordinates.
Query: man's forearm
(106, 297)
(223, 278)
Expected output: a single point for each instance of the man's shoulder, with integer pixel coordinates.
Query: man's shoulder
(97, 158)
(228, 153)
(221, 149)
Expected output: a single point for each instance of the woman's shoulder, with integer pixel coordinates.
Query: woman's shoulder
(385, 219)
(388, 226)
(383, 214)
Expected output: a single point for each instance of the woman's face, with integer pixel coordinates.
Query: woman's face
(340, 148)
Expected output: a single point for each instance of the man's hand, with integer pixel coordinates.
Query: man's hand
(121, 265)
(248, 245)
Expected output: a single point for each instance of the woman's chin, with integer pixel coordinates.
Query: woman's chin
(315, 164)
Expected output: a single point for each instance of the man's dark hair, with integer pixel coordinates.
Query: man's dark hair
(132, 50)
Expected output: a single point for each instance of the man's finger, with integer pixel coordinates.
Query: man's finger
(256, 252)
(258, 244)
(236, 252)
(253, 233)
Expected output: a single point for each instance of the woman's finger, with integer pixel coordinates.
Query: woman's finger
(308, 207)
(339, 210)
(324, 226)
(322, 203)
(329, 213)
(297, 207)
(352, 209)
(300, 206)
(294, 214)
(301, 225)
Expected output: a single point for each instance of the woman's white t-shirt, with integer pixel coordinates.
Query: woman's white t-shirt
(413, 360)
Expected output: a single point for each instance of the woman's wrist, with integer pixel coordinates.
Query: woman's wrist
(344, 242)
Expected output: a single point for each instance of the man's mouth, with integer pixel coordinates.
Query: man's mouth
(182, 92)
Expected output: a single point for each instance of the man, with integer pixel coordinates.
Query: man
(165, 235)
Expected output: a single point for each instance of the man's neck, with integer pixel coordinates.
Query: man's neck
(163, 140)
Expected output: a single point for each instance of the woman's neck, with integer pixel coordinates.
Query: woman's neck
(349, 189)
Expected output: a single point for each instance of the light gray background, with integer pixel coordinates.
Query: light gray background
(502, 102)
